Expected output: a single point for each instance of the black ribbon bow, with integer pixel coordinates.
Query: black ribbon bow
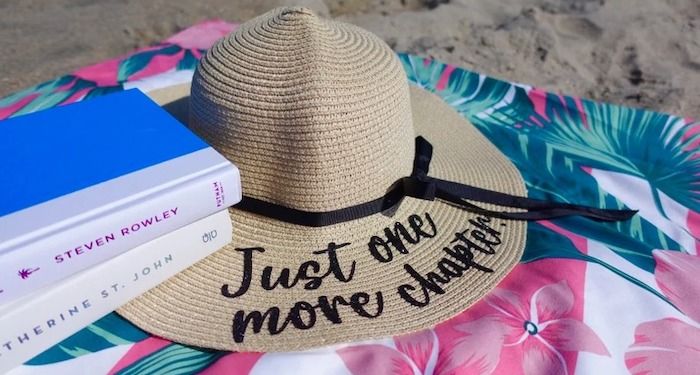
(420, 185)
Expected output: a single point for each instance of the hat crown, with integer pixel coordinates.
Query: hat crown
(315, 113)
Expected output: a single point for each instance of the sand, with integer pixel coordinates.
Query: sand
(641, 53)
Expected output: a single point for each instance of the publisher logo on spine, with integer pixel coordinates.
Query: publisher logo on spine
(24, 273)
(209, 236)
(218, 188)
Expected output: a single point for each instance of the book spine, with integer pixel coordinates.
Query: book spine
(36, 322)
(110, 231)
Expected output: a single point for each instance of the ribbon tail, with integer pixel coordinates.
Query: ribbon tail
(536, 209)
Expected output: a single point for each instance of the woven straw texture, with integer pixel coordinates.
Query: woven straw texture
(318, 115)
(321, 92)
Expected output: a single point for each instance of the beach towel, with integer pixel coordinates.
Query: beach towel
(586, 297)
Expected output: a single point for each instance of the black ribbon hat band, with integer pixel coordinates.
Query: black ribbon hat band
(421, 186)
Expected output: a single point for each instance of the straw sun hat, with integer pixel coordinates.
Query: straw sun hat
(354, 223)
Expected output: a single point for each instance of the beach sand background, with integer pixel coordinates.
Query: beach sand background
(641, 53)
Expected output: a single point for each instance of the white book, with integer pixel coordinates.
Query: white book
(36, 322)
(82, 183)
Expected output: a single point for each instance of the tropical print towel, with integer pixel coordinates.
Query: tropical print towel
(587, 297)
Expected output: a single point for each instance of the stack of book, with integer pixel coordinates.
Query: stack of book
(100, 201)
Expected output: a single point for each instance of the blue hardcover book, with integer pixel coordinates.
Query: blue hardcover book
(82, 183)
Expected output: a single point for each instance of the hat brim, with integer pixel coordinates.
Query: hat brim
(466, 253)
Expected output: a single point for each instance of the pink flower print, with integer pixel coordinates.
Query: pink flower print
(474, 352)
(414, 354)
(507, 335)
(671, 346)
(541, 329)
(477, 349)
(677, 276)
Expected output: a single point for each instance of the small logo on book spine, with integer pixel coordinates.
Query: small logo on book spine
(209, 236)
(24, 273)
(218, 193)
